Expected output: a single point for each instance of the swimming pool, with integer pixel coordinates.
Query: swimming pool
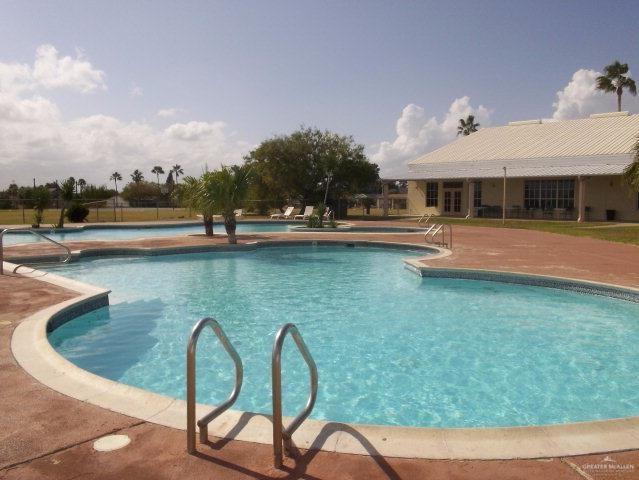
(392, 348)
(99, 232)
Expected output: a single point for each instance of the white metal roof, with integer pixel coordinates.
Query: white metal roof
(591, 146)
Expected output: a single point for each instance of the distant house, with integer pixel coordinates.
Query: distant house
(567, 169)
(116, 201)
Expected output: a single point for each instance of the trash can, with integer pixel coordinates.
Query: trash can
(610, 215)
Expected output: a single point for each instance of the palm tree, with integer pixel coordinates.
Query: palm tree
(41, 197)
(467, 126)
(178, 170)
(229, 188)
(115, 176)
(615, 79)
(158, 170)
(631, 173)
(81, 183)
(137, 178)
(67, 190)
(196, 194)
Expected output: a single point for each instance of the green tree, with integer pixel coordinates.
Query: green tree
(82, 183)
(137, 178)
(40, 197)
(615, 79)
(467, 126)
(177, 170)
(67, 190)
(631, 173)
(195, 193)
(158, 170)
(116, 177)
(309, 165)
(139, 191)
(228, 191)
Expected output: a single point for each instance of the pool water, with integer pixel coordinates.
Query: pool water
(127, 233)
(391, 347)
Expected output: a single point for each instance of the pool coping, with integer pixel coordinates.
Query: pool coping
(34, 353)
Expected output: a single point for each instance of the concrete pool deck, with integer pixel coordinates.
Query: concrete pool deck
(581, 258)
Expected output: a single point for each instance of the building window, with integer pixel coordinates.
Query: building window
(477, 195)
(432, 192)
(549, 194)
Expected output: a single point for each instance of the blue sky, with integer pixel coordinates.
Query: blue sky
(263, 68)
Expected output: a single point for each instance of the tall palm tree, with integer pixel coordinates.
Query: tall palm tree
(229, 188)
(81, 183)
(115, 176)
(467, 126)
(158, 170)
(137, 178)
(177, 170)
(615, 79)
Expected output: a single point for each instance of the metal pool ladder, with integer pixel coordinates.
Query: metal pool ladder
(282, 436)
(65, 259)
(444, 240)
(203, 422)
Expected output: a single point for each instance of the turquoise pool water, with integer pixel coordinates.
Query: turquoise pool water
(391, 347)
(126, 233)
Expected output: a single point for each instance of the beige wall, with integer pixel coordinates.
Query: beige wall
(611, 193)
(602, 193)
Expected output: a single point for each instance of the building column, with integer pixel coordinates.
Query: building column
(581, 199)
(471, 199)
(385, 199)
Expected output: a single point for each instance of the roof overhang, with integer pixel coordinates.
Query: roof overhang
(522, 168)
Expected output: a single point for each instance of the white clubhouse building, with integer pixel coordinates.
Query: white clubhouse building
(551, 169)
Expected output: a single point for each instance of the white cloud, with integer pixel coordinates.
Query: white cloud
(135, 91)
(581, 98)
(193, 131)
(169, 112)
(37, 141)
(52, 71)
(418, 134)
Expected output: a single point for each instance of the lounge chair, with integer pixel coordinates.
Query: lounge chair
(239, 212)
(285, 215)
(327, 214)
(308, 211)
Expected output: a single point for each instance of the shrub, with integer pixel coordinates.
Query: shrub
(314, 222)
(77, 213)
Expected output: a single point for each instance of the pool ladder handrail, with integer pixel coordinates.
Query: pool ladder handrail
(203, 422)
(427, 216)
(441, 228)
(67, 257)
(282, 436)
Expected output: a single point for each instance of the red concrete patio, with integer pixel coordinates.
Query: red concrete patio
(45, 434)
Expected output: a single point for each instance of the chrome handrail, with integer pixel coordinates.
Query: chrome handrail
(440, 228)
(428, 217)
(38, 234)
(283, 435)
(203, 422)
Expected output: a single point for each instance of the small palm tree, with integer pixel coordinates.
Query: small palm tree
(195, 194)
(631, 173)
(467, 126)
(229, 189)
(40, 198)
(67, 191)
(115, 176)
(615, 79)
(81, 183)
(177, 170)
